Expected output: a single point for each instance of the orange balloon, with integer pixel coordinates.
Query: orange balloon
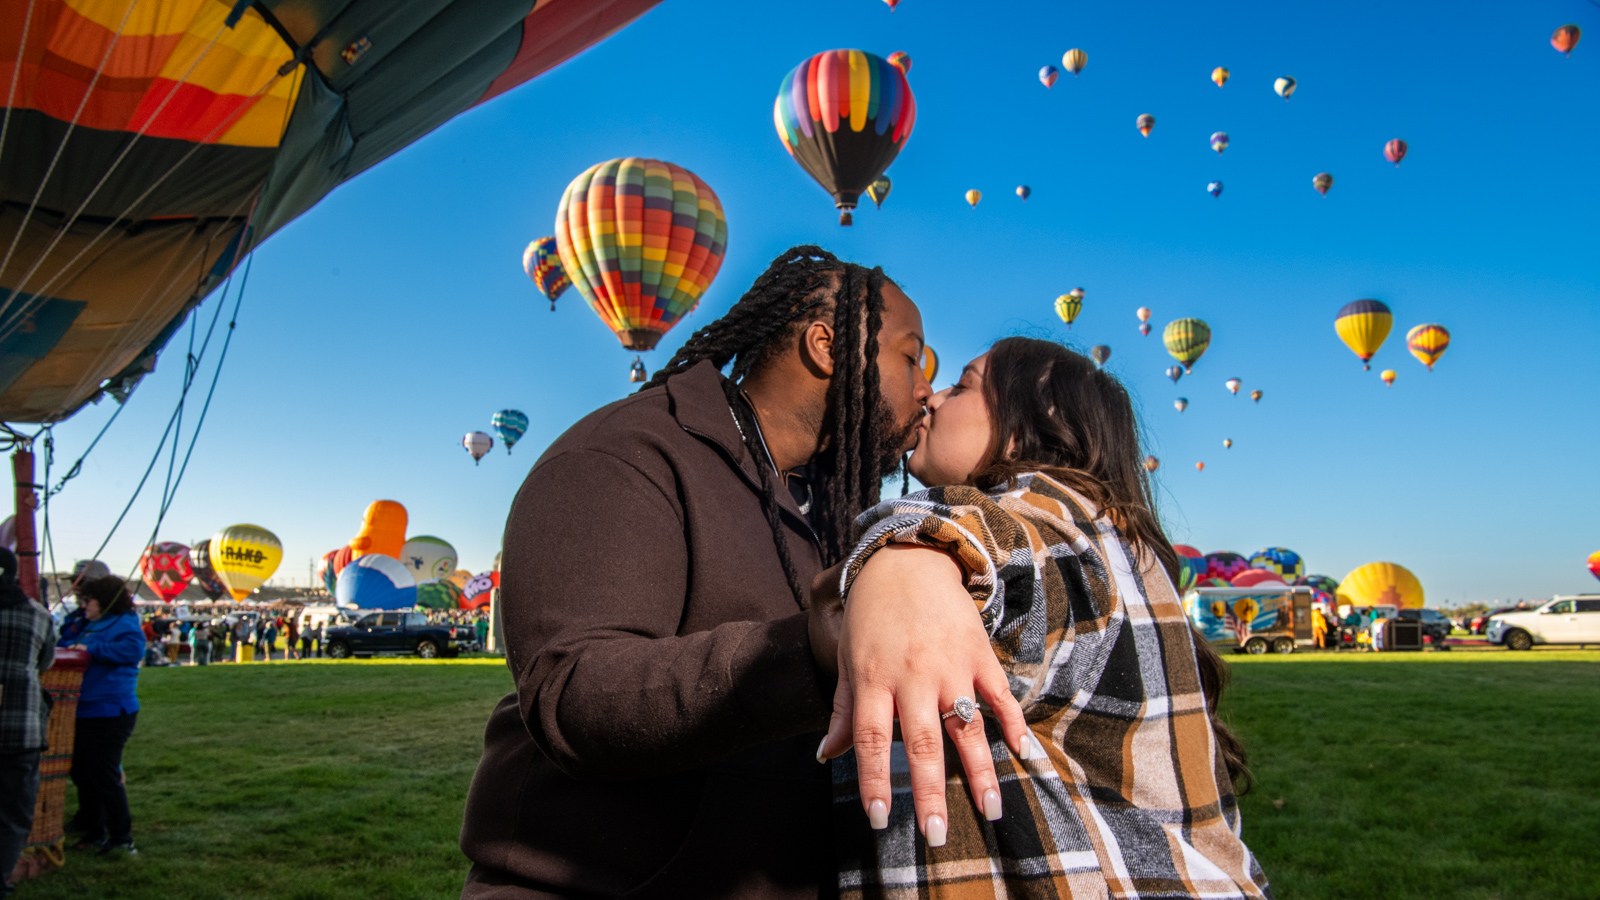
(1199, 467)
(383, 530)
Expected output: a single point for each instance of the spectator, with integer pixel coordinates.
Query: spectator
(270, 636)
(482, 627)
(292, 632)
(200, 643)
(241, 634)
(219, 639)
(306, 638)
(108, 708)
(261, 638)
(152, 641)
(27, 648)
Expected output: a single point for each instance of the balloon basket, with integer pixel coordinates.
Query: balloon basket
(845, 219)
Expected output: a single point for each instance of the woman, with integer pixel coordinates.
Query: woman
(107, 710)
(1123, 780)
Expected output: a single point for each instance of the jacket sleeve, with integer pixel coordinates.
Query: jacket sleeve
(47, 647)
(122, 645)
(594, 585)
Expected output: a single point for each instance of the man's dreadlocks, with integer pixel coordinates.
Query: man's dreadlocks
(798, 288)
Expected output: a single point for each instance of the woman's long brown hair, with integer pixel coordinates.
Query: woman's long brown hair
(1054, 411)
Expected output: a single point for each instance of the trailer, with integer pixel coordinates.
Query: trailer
(1253, 620)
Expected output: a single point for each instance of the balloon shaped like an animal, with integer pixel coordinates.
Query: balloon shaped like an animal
(245, 556)
(383, 530)
(376, 582)
(428, 558)
(166, 569)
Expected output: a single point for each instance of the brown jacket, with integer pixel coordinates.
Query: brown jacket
(661, 739)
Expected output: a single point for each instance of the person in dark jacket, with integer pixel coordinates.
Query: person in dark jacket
(27, 649)
(672, 674)
(108, 707)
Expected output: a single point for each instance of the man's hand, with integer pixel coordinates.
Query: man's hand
(827, 616)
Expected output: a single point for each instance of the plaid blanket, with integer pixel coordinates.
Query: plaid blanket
(27, 648)
(1131, 798)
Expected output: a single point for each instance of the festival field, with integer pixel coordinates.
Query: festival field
(1400, 776)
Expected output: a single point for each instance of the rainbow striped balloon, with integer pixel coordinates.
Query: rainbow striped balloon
(641, 239)
(844, 115)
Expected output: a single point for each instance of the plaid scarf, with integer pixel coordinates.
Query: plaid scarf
(1131, 798)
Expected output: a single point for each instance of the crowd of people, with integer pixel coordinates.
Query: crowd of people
(273, 636)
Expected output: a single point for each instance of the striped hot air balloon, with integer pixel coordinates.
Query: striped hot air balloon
(901, 60)
(1427, 343)
(641, 239)
(1220, 76)
(1363, 326)
(1074, 60)
(1145, 123)
(1068, 305)
(1219, 141)
(542, 262)
(879, 189)
(1394, 151)
(511, 425)
(1186, 340)
(244, 557)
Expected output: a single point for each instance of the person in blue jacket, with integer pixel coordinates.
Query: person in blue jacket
(107, 710)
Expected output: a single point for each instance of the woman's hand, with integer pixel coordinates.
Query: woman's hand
(911, 643)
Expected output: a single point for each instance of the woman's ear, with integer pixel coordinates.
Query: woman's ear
(816, 348)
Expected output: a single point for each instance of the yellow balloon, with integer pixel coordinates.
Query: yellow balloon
(1363, 326)
(1068, 305)
(1074, 60)
(1381, 584)
(974, 196)
(245, 556)
(930, 363)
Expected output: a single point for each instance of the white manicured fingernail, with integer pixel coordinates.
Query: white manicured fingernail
(878, 815)
(934, 831)
(991, 805)
(1025, 748)
(819, 749)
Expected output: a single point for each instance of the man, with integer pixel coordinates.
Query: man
(27, 649)
(672, 676)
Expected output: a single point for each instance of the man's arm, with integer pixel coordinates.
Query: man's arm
(594, 582)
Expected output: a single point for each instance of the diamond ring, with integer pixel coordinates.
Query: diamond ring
(965, 709)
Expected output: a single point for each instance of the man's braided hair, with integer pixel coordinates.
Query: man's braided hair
(801, 286)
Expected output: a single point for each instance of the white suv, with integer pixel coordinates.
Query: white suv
(1564, 620)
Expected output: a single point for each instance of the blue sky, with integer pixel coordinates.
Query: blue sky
(394, 316)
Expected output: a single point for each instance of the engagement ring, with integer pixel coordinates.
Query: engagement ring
(965, 708)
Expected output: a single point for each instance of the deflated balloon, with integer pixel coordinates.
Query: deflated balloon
(1074, 60)
(477, 444)
(1220, 76)
(1284, 87)
(511, 425)
(542, 262)
(1427, 343)
(1186, 340)
(1322, 182)
(1145, 122)
(1394, 151)
(245, 556)
(1048, 76)
(1363, 325)
(166, 569)
(878, 190)
(1068, 305)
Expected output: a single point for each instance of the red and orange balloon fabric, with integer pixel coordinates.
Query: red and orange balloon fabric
(166, 569)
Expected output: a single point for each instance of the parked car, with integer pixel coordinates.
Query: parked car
(1564, 620)
(1480, 623)
(1435, 625)
(396, 632)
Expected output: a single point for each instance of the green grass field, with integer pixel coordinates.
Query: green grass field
(1467, 774)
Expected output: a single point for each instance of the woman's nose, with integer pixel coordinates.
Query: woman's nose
(937, 400)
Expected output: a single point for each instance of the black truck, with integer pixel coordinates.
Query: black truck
(397, 632)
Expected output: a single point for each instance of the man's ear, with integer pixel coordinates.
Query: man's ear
(816, 348)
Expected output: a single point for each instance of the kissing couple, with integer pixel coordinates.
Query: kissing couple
(740, 674)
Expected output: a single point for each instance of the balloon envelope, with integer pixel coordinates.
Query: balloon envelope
(1233, 385)
(930, 363)
(1048, 75)
(1145, 123)
(1394, 151)
(1219, 141)
(245, 556)
(1100, 353)
(438, 595)
(166, 569)
(1284, 86)
(1068, 305)
(901, 60)
(477, 444)
(1284, 563)
(383, 530)
(1322, 182)
(1074, 60)
(511, 425)
(204, 574)
(1255, 577)
(1186, 340)
(376, 582)
(1381, 584)
(1388, 376)
(1363, 326)
(1594, 564)
(1024, 191)
(879, 189)
(1225, 565)
(428, 558)
(542, 262)
(1220, 76)
(1214, 188)
(1565, 38)
(476, 592)
(1427, 343)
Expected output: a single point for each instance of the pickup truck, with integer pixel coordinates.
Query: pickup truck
(1564, 620)
(389, 631)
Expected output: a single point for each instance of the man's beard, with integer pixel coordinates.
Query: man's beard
(893, 437)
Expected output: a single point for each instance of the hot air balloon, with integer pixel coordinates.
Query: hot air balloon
(543, 265)
(204, 575)
(477, 443)
(1427, 343)
(930, 363)
(1100, 353)
(641, 240)
(1594, 564)
(1256, 396)
(1024, 191)
(511, 425)
(333, 562)
(1363, 326)
(1048, 76)
(476, 593)
(892, 4)
(1280, 561)
(1394, 151)
(1227, 443)
(1144, 328)
(1284, 87)
(438, 595)
(1255, 577)
(1074, 60)
(166, 569)
(1143, 313)
(383, 530)
(1381, 584)
(1145, 123)
(1220, 76)
(1151, 464)
(844, 115)
(1320, 584)
(1068, 305)
(184, 156)
(1388, 376)
(636, 372)
(428, 558)
(244, 557)
(1186, 340)
(1199, 467)
(1224, 565)
(973, 197)
(1181, 404)
(1175, 372)
(1233, 385)
(1565, 38)
(1219, 141)
(878, 190)
(1322, 182)
(1214, 188)
(376, 582)
(901, 60)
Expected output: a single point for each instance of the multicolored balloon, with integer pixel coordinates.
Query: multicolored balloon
(511, 425)
(1181, 404)
(438, 595)
(878, 190)
(1284, 87)
(244, 557)
(1219, 75)
(1024, 192)
(1320, 583)
(1186, 341)
(1565, 38)
(1256, 396)
(901, 60)
(1594, 564)
(166, 569)
(428, 558)
(1214, 188)
(1100, 353)
(1255, 577)
(642, 239)
(1427, 343)
(477, 443)
(1381, 584)
(1363, 326)
(1227, 443)
(542, 262)
(1068, 305)
(1048, 76)
(1388, 376)
(1322, 181)
(204, 575)
(1145, 123)
(376, 581)
(1219, 141)
(1280, 561)
(973, 197)
(844, 115)
(1175, 372)
(1224, 565)
(1074, 60)
(476, 594)
(383, 530)
(1151, 464)
(1233, 385)
(1394, 151)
